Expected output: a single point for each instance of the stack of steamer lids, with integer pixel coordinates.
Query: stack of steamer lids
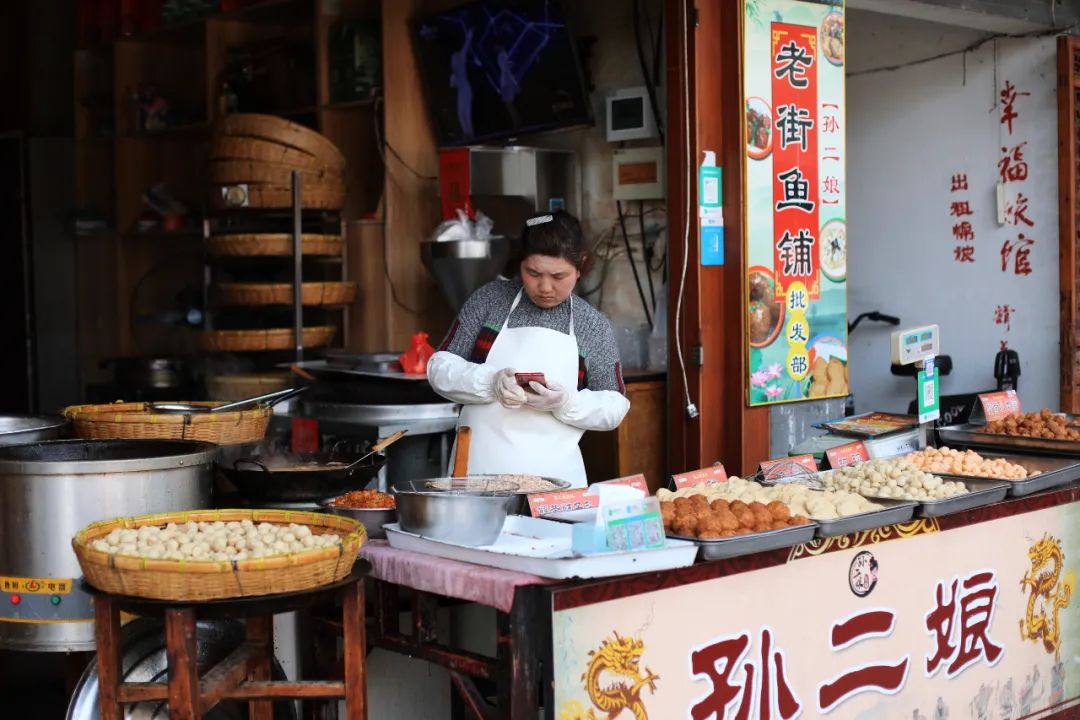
(252, 158)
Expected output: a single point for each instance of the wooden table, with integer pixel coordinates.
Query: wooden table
(245, 673)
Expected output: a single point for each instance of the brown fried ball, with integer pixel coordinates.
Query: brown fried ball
(711, 534)
(779, 510)
(778, 525)
(720, 505)
(699, 501)
(745, 518)
(738, 505)
(799, 520)
(682, 503)
(685, 526)
(761, 516)
(743, 531)
(728, 521)
(728, 533)
(667, 513)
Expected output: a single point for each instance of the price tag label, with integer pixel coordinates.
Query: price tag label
(787, 467)
(305, 435)
(634, 481)
(705, 476)
(541, 504)
(850, 454)
(996, 406)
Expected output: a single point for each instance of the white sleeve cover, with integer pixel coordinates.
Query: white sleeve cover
(459, 380)
(599, 410)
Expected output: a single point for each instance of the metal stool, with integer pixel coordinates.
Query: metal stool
(245, 673)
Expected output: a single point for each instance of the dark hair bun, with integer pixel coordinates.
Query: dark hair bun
(556, 234)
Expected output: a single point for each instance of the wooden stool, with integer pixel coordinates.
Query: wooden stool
(245, 673)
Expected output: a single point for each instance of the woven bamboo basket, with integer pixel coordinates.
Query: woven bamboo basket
(227, 388)
(322, 196)
(230, 172)
(132, 421)
(312, 293)
(284, 132)
(259, 340)
(195, 580)
(224, 147)
(256, 244)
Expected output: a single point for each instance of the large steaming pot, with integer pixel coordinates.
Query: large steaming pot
(51, 490)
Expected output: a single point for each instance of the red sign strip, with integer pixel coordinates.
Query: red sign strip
(850, 454)
(796, 242)
(705, 476)
(999, 405)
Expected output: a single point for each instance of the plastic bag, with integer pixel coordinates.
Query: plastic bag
(414, 360)
(463, 228)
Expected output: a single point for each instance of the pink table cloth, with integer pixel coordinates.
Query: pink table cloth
(493, 587)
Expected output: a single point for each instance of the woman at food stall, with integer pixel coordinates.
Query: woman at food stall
(531, 325)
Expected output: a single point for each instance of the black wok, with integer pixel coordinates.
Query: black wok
(258, 481)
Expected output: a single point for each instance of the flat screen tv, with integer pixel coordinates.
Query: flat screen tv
(496, 69)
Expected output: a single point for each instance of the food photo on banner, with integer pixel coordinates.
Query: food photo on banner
(795, 201)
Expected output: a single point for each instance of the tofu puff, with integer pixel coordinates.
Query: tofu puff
(712, 518)
(798, 500)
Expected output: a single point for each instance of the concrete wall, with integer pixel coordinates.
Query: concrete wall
(909, 131)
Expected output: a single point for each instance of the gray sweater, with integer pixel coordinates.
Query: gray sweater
(478, 324)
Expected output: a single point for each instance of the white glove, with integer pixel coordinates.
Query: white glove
(459, 380)
(547, 399)
(506, 390)
(599, 410)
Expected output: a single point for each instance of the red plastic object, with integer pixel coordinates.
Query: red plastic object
(414, 360)
(523, 379)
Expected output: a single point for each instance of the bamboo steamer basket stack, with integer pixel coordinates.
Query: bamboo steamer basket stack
(198, 580)
(134, 421)
(252, 157)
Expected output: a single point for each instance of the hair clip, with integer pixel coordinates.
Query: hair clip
(539, 220)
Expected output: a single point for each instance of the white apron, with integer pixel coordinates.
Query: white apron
(524, 440)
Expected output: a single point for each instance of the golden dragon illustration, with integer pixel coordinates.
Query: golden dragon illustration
(1045, 582)
(620, 657)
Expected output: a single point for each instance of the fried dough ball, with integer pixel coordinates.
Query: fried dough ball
(799, 520)
(728, 521)
(778, 510)
(685, 526)
(667, 513)
(746, 518)
(720, 505)
(699, 501)
(738, 505)
(682, 503)
(711, 534)
(778, 525)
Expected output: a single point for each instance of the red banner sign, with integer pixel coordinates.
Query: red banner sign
(706, 476)
(850, 454)
(796, 244)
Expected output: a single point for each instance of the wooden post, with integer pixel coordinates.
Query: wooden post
(260, 630)
(704, 80)
(107, 635)
(1067, 88)
(355, 641)
(182, 653)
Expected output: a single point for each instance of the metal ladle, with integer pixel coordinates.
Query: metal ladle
(270, 399)
(377, 448)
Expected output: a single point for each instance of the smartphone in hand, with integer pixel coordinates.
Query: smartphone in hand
(523, 380)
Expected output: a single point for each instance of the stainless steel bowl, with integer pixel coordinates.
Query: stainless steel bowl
(372, 519)
(461, 514)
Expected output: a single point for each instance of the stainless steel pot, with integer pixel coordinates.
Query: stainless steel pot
(51, 490)
(22, 429)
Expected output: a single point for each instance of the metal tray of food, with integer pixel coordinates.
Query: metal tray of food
(737, 545)
(1052, 472)
(980, 492)
(968, 435)
(895, 511)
